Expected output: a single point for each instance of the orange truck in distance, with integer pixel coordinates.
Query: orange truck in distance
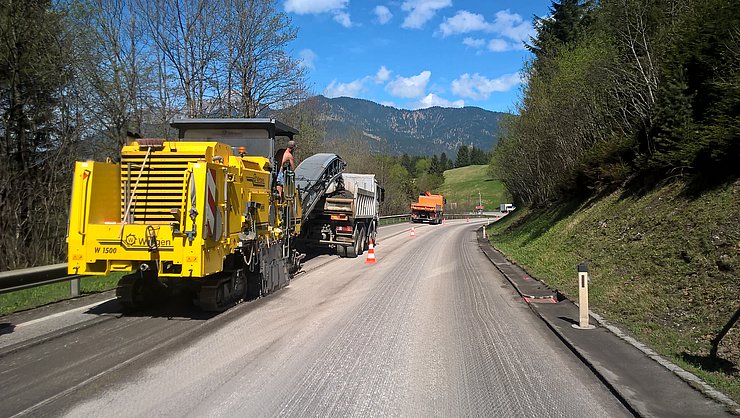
(429, 208)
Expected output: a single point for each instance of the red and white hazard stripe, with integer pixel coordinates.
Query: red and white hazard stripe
(211, 204)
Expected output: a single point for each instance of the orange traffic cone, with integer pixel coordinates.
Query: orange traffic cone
(370, 254)
(412, 232)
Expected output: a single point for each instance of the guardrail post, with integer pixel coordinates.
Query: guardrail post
(74, 287)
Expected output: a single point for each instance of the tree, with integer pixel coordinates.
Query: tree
(428, 182)
(434, 166)
(398, 190)
(566, 22)
(406, 163)
(421, 167)
(38, 130)
(114, 68)
(696, 122)
(189, 34)
(306, 117)
(444, 163)
(478, 156)
(642, 91)
(463, 156)
(259, 72)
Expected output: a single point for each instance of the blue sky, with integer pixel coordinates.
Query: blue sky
(416, 53)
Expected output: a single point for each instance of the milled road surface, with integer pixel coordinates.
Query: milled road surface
(432, 329)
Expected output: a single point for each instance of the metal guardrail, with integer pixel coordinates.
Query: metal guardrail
(13, 280)
(448, 216)
(390, 219)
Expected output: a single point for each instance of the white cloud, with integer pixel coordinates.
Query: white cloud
(343, 19)
(409, 87)
(383, 14)
(354, 88)
(351, 89)
(474, 42)
(478, 87)
(499, 45)
(494, 45)
(303, 7)
(506, 24)
(464, 22)
(308, 58)
(432, 99)
(335, 7)
(512, 26)
(382, 75)
(421, 11)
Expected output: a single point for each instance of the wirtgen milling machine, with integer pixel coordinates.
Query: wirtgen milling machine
(200, 212)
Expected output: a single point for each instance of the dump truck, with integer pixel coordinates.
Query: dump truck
(345, 218)
(429, 208)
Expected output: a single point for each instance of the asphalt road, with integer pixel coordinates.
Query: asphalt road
(432, 329)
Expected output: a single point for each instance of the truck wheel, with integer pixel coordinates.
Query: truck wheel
(356, 249)
(363, 240)
(341, 251)
(351, 251)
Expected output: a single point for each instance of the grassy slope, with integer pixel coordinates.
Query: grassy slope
(664, 265)
(462, 185)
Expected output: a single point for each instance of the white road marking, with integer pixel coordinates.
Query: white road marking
(58, 314)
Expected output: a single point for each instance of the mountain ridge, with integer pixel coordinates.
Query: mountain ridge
(416, 132)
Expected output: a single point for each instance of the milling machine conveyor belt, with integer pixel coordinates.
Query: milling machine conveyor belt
(314, 176)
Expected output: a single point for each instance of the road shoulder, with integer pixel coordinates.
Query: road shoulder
(648, 385)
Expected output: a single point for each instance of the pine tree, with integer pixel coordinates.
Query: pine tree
(407, 164)
(434, 167)
(443, 162)
(566, 22)
(478, 156)
(463, 156)
(35, 130)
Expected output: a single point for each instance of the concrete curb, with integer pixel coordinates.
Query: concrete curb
(688, 377)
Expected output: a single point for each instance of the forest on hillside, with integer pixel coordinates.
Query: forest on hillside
(625, 93)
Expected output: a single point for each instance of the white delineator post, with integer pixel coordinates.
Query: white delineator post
(583, 298)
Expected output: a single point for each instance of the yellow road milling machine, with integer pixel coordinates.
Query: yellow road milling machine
(199, 213)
